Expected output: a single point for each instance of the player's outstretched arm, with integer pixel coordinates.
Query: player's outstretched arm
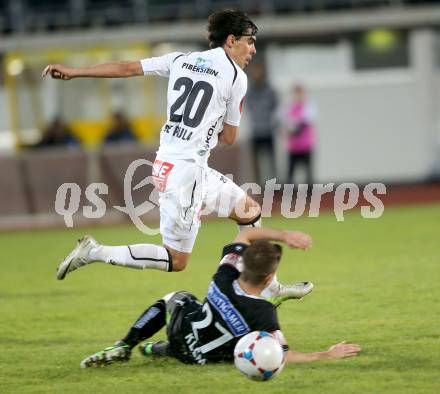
(104, 70)
(293, 239)
(340, 350)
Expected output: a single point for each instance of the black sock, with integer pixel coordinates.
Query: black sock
(150, 322)
(162, 348)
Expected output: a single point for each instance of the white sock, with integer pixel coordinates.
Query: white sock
(139, 256)
(272, 289)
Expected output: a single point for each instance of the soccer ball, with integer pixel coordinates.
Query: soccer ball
(259, 356)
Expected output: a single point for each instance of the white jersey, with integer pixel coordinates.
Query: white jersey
(205, 90)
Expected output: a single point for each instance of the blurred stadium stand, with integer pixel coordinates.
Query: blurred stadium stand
(19, 16)
(29, 181)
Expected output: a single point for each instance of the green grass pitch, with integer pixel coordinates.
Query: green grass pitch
(377, 284)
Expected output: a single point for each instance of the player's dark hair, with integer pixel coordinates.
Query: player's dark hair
(260, 259)
(225, 22)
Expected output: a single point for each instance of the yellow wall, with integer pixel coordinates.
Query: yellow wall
(91, 133)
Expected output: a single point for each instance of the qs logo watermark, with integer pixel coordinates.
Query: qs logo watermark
(345, 197)
(68, 198)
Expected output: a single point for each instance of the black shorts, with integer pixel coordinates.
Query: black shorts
(175, 303)
(181, 308)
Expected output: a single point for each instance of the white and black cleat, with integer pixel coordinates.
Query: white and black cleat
(78, 257)
(119, 352)
(291, 292)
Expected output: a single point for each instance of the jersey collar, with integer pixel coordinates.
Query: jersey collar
(239, 291)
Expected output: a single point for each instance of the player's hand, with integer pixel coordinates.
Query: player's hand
(297, 240)
(343, 350)
(58, 71)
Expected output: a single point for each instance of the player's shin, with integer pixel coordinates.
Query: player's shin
(149, 323)
(140, 256)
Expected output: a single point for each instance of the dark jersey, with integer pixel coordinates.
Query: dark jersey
(208, 332)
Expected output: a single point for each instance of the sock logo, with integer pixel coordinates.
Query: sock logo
(151, 314)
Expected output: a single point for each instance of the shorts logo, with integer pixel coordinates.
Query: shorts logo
(161, 171)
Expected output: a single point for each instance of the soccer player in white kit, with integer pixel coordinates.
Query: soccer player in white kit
(205, 96)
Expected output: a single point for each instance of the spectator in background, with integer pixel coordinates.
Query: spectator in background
(58, 134)
(261, 103)
(299, 119)
(120, 130)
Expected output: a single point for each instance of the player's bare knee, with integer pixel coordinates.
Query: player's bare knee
(253, 207)
(246, 211)
(179, 260)
(179, 264)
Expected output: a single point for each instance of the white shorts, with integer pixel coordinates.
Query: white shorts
(187, 191)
